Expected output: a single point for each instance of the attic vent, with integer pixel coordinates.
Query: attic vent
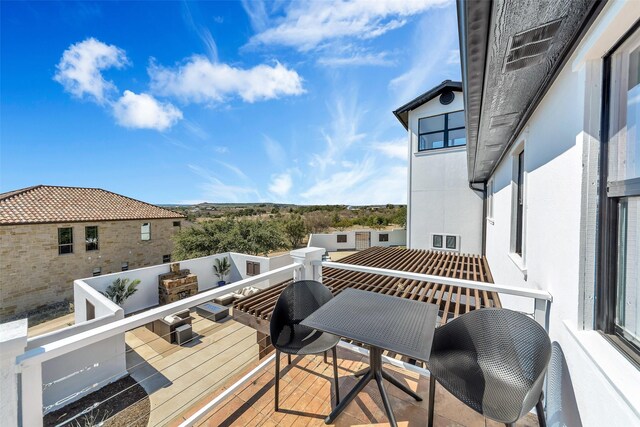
(505, 120)
(529, 47)
(447, 97)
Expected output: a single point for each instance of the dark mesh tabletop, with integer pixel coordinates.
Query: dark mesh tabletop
(391, 323)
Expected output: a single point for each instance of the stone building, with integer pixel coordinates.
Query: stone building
(50, 236)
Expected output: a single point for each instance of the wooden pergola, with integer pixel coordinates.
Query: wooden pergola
(255, 311)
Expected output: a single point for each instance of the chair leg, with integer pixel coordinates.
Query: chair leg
(277, 378)
(325, 357)
(288, 359)
(432, 398)
(334, 354)
(542, 421)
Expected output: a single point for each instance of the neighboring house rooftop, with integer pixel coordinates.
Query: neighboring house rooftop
(53, 204)
(402, 113)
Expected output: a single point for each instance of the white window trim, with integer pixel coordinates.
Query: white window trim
(518, 260)
(490, 207)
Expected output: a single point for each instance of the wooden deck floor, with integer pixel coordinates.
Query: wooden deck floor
(306, 390)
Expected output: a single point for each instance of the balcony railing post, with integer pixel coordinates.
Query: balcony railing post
(13, 341)
(31, 399)
(540, 312)
(306, 257)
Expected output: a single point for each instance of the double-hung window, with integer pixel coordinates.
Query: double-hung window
(618, 290)
(145, 231)
(445, 130)
(91, 238)
(65, 240)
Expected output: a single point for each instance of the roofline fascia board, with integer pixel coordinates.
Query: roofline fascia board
(596, 8)
(425, 97)
(84, 221)
(483, 11)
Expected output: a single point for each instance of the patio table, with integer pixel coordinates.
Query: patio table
(382, 322)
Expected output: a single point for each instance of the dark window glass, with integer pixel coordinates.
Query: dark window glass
(383, 237)
(97, 271)
(166, 259)
(253, 268)
(431, 141)
(342, 238)
(445, 130)
(431, 124)
(457, 137)
(437, 240)
(91, 238)
(125, 266)
(519, 203)
(176, 223)
(456, 120)
(451, 242)
(65, 240)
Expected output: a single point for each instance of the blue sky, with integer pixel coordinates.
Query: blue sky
(182, 102)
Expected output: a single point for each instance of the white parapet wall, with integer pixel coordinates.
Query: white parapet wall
(329, 241)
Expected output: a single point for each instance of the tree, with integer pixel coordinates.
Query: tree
(295, 230)
(118, 291)
(317, 222)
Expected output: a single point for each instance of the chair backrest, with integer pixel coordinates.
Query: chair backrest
(507, 344)
(297, 302)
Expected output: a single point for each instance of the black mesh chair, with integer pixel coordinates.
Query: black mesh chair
(494, 361)
(296, 302)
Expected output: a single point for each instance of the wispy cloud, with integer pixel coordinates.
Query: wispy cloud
(281, 184)
(396, 149)
(308, 24)
(143, 111)
(203, 32)
(436, 33)
(214, 189)
(275, 151)
(200, 80)
(80, 69)
(257, 12)
(358, 59)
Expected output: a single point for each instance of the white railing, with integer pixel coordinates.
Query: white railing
(542, 299)
(30, 363)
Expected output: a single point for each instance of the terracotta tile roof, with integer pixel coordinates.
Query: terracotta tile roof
(44, 203)
(255, 311)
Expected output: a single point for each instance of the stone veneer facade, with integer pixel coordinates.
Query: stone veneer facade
(33, 274)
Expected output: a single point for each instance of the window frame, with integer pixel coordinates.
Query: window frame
(96, 271)
(341, 238)
(610, 196)
(385, 239)
(251, 268)
(97, 242)
(445, 131)
(143, 233)
(433, 241)
(519, 202)
(124, 266)
(60, 245)
(166, 259)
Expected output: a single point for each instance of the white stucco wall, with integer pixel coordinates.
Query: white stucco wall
(605, 383)
(329, 241)
(439, 198)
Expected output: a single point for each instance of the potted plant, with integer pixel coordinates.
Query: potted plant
(221, 269)
(119, 291)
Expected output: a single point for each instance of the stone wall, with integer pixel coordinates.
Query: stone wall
(32, 274)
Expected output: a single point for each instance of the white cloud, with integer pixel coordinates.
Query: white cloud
(358, 59)
(281, 184)
(200, 80)
(221, 149)
(81, 65)
(454, 57)
(308, 24)
(275, 152)
(142, 111)
(396, 149)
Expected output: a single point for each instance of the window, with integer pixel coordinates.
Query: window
(97, 271)
(176, 224)
(253, 268)
(341, 238)
(518, 193)
(124, 266)
(618, 288)
(166, 259)
(91, 238)
(145, 231)
(383, 237)
(65, 240)
(452, 242)
(437, 241)
(90, 310)
(445, 130)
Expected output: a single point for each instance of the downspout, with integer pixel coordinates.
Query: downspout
(483, 193)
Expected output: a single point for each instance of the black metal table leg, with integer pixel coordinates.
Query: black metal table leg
(373, 372)
(361, 372)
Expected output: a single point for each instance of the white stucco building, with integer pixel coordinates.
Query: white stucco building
(443, 211)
